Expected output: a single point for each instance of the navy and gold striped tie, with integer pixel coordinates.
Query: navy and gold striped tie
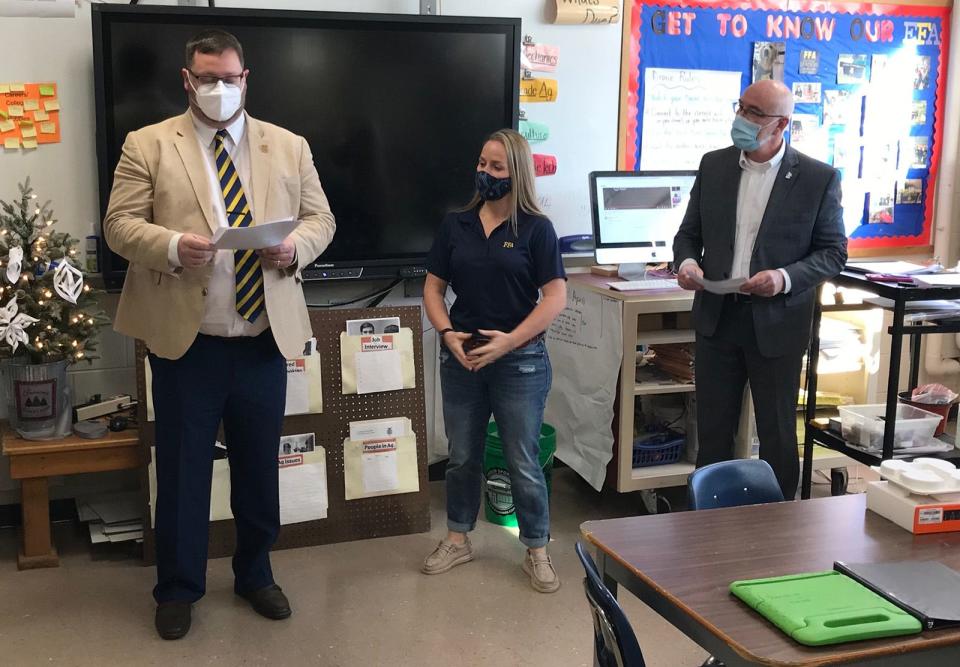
(249, 273)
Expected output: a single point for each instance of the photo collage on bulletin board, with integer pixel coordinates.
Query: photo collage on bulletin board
(868, 83)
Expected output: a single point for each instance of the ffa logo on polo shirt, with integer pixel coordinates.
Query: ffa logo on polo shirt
(508, 244)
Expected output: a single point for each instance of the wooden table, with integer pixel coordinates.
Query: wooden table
(682, 564)
(33, 462)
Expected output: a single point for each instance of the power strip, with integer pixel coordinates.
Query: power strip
(105, 407)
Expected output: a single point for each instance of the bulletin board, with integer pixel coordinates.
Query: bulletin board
(869, 85)
(364, 518)
(29, 115)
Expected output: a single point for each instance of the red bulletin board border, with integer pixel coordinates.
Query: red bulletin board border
(631, 59)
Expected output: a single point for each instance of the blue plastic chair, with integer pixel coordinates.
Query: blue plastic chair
(732, 484)
(615, 644)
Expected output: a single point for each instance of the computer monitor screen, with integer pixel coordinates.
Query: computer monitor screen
(637, 213)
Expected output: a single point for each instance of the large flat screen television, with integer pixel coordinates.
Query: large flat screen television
(395, 109)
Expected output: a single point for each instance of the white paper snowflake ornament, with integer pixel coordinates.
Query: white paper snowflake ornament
(14, 264)
(12, 324)
(68, 281)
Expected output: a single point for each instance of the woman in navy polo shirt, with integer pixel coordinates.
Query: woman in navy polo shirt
(499, 254)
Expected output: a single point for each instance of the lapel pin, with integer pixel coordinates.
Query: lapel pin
(789, 174)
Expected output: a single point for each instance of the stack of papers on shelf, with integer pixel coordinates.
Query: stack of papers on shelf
(841, 348)
(112, 517)
(922, 311)
(896, 268)
(938, 280)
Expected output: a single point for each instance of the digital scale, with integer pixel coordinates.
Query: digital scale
(920, 514)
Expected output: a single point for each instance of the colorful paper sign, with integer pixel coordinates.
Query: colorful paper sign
(22, 112)
(534, 133)
(540, 57)
(538, 90)
(544, 165)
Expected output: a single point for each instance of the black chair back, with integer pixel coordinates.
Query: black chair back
(615, 643)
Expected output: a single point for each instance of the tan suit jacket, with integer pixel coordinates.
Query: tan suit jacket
(161, 188)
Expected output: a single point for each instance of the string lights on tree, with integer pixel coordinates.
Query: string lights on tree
(53, 313)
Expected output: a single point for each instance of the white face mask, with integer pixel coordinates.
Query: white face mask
(218, 101)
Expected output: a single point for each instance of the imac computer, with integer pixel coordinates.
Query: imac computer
(636, 215)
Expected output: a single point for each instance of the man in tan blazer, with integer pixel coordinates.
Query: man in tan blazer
(218, 324)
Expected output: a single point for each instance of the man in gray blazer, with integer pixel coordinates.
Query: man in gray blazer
(761, 211)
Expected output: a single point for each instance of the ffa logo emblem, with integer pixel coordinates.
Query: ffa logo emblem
(508, 244)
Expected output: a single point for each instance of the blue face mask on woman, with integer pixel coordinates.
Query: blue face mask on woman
(744, 134)
(491, 188)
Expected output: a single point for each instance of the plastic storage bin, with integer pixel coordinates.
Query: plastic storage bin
(863, 425)
(657, 449)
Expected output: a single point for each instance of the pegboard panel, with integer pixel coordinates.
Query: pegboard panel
(364, 518)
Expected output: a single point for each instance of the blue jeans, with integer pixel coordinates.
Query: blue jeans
(514, 389)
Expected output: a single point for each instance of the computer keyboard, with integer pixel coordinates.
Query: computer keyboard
(654, 283)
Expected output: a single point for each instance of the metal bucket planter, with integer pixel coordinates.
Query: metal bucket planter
(37, 397)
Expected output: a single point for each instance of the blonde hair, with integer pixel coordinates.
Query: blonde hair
(523, 192)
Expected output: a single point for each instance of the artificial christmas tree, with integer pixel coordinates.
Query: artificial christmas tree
(49, 317)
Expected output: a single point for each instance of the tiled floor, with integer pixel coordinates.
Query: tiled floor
(359, 603)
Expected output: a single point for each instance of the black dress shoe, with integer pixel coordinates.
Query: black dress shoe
(269, 602)
(173, 619)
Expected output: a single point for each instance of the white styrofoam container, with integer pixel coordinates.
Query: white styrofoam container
(863, 425)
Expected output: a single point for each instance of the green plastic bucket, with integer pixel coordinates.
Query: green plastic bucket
(498, 496)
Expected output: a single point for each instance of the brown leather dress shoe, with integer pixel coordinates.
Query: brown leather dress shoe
(173, 619)
(269, 602)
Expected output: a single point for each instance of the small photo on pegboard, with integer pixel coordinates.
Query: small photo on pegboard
(29, 115)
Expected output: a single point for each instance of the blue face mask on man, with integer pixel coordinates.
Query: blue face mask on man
(491, 188)
(744, 134)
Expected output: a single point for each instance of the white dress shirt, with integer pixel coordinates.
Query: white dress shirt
(220, 317)
(756, 183)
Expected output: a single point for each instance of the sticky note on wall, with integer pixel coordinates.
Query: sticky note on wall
(538, 90)
(534, 133)
(544, 165)
(29, 112)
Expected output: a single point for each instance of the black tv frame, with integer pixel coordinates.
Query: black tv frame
(369, 268)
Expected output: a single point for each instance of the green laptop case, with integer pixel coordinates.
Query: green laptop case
(823, 608)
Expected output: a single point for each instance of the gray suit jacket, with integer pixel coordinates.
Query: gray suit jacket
(801, 232)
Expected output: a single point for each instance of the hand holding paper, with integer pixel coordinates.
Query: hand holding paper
(690, 277)
(764, 283)
(255, 237)
(279, 256)
(730, 286)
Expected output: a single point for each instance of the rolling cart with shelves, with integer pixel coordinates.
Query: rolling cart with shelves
(900, 296)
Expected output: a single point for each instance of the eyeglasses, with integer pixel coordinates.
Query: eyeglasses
(207, 80)
(741, 110)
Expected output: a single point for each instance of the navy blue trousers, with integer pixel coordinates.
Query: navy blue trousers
(241, 382)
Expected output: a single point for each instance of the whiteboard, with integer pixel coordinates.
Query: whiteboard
(583, 120)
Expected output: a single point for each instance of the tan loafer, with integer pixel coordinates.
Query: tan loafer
(447, 556)
(543, 576)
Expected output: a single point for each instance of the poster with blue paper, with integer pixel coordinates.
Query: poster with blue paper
(868, 83)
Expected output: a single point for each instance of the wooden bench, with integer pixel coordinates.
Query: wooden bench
(34, 462)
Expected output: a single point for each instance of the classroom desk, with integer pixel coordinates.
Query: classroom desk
(33, 462)
(681, 565)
